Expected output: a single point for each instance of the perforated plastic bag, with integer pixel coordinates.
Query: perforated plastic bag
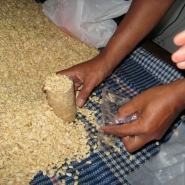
(90, 21)
(112, 100)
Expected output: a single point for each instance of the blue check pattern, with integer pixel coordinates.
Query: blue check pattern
(138, 72)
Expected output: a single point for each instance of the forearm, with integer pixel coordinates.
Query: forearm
(141, 18)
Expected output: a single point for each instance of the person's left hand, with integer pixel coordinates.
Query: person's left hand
(156, 109)
(87, 75)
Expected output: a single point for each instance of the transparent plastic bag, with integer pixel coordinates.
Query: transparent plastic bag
(90, 21)
(112, 100)
(167, 167)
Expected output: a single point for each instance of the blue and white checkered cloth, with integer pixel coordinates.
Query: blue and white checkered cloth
(138, 72)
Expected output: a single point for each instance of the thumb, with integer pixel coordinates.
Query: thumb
(84, 94)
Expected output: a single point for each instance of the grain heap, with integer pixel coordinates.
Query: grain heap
(31, 135)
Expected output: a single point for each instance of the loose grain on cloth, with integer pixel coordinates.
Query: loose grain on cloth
(140, 71)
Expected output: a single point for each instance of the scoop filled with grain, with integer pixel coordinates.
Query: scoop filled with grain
(60, 95)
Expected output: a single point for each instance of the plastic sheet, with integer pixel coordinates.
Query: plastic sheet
(167, 167)
(90, 21)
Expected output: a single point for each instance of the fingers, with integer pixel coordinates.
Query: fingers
(179, 55)
(181, 65)
(64, 72)
(127, 129)
(43, 90)
(85, 91)
(84, 94)
(133, 143)
(179, 39)
(131, 134)
(127, 110)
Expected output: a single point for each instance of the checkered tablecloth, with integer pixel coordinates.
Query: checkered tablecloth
(138, 72)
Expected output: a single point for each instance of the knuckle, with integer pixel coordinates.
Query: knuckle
(130, 148)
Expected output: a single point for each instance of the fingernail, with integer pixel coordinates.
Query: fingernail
(100, 130)
(80, 102)
(43, 89)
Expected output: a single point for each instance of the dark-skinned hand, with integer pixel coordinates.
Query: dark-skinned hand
(156, 109)
(86, 75)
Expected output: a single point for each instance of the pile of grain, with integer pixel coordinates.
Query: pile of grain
(31, 135)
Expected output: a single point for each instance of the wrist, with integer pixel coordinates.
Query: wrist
(179, 89)
(109, 60)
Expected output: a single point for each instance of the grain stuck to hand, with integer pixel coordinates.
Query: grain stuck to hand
(31, 135)
(60, 95)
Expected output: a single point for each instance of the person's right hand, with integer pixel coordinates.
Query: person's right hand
(179, 56)
(88, 75)
(155, 108)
